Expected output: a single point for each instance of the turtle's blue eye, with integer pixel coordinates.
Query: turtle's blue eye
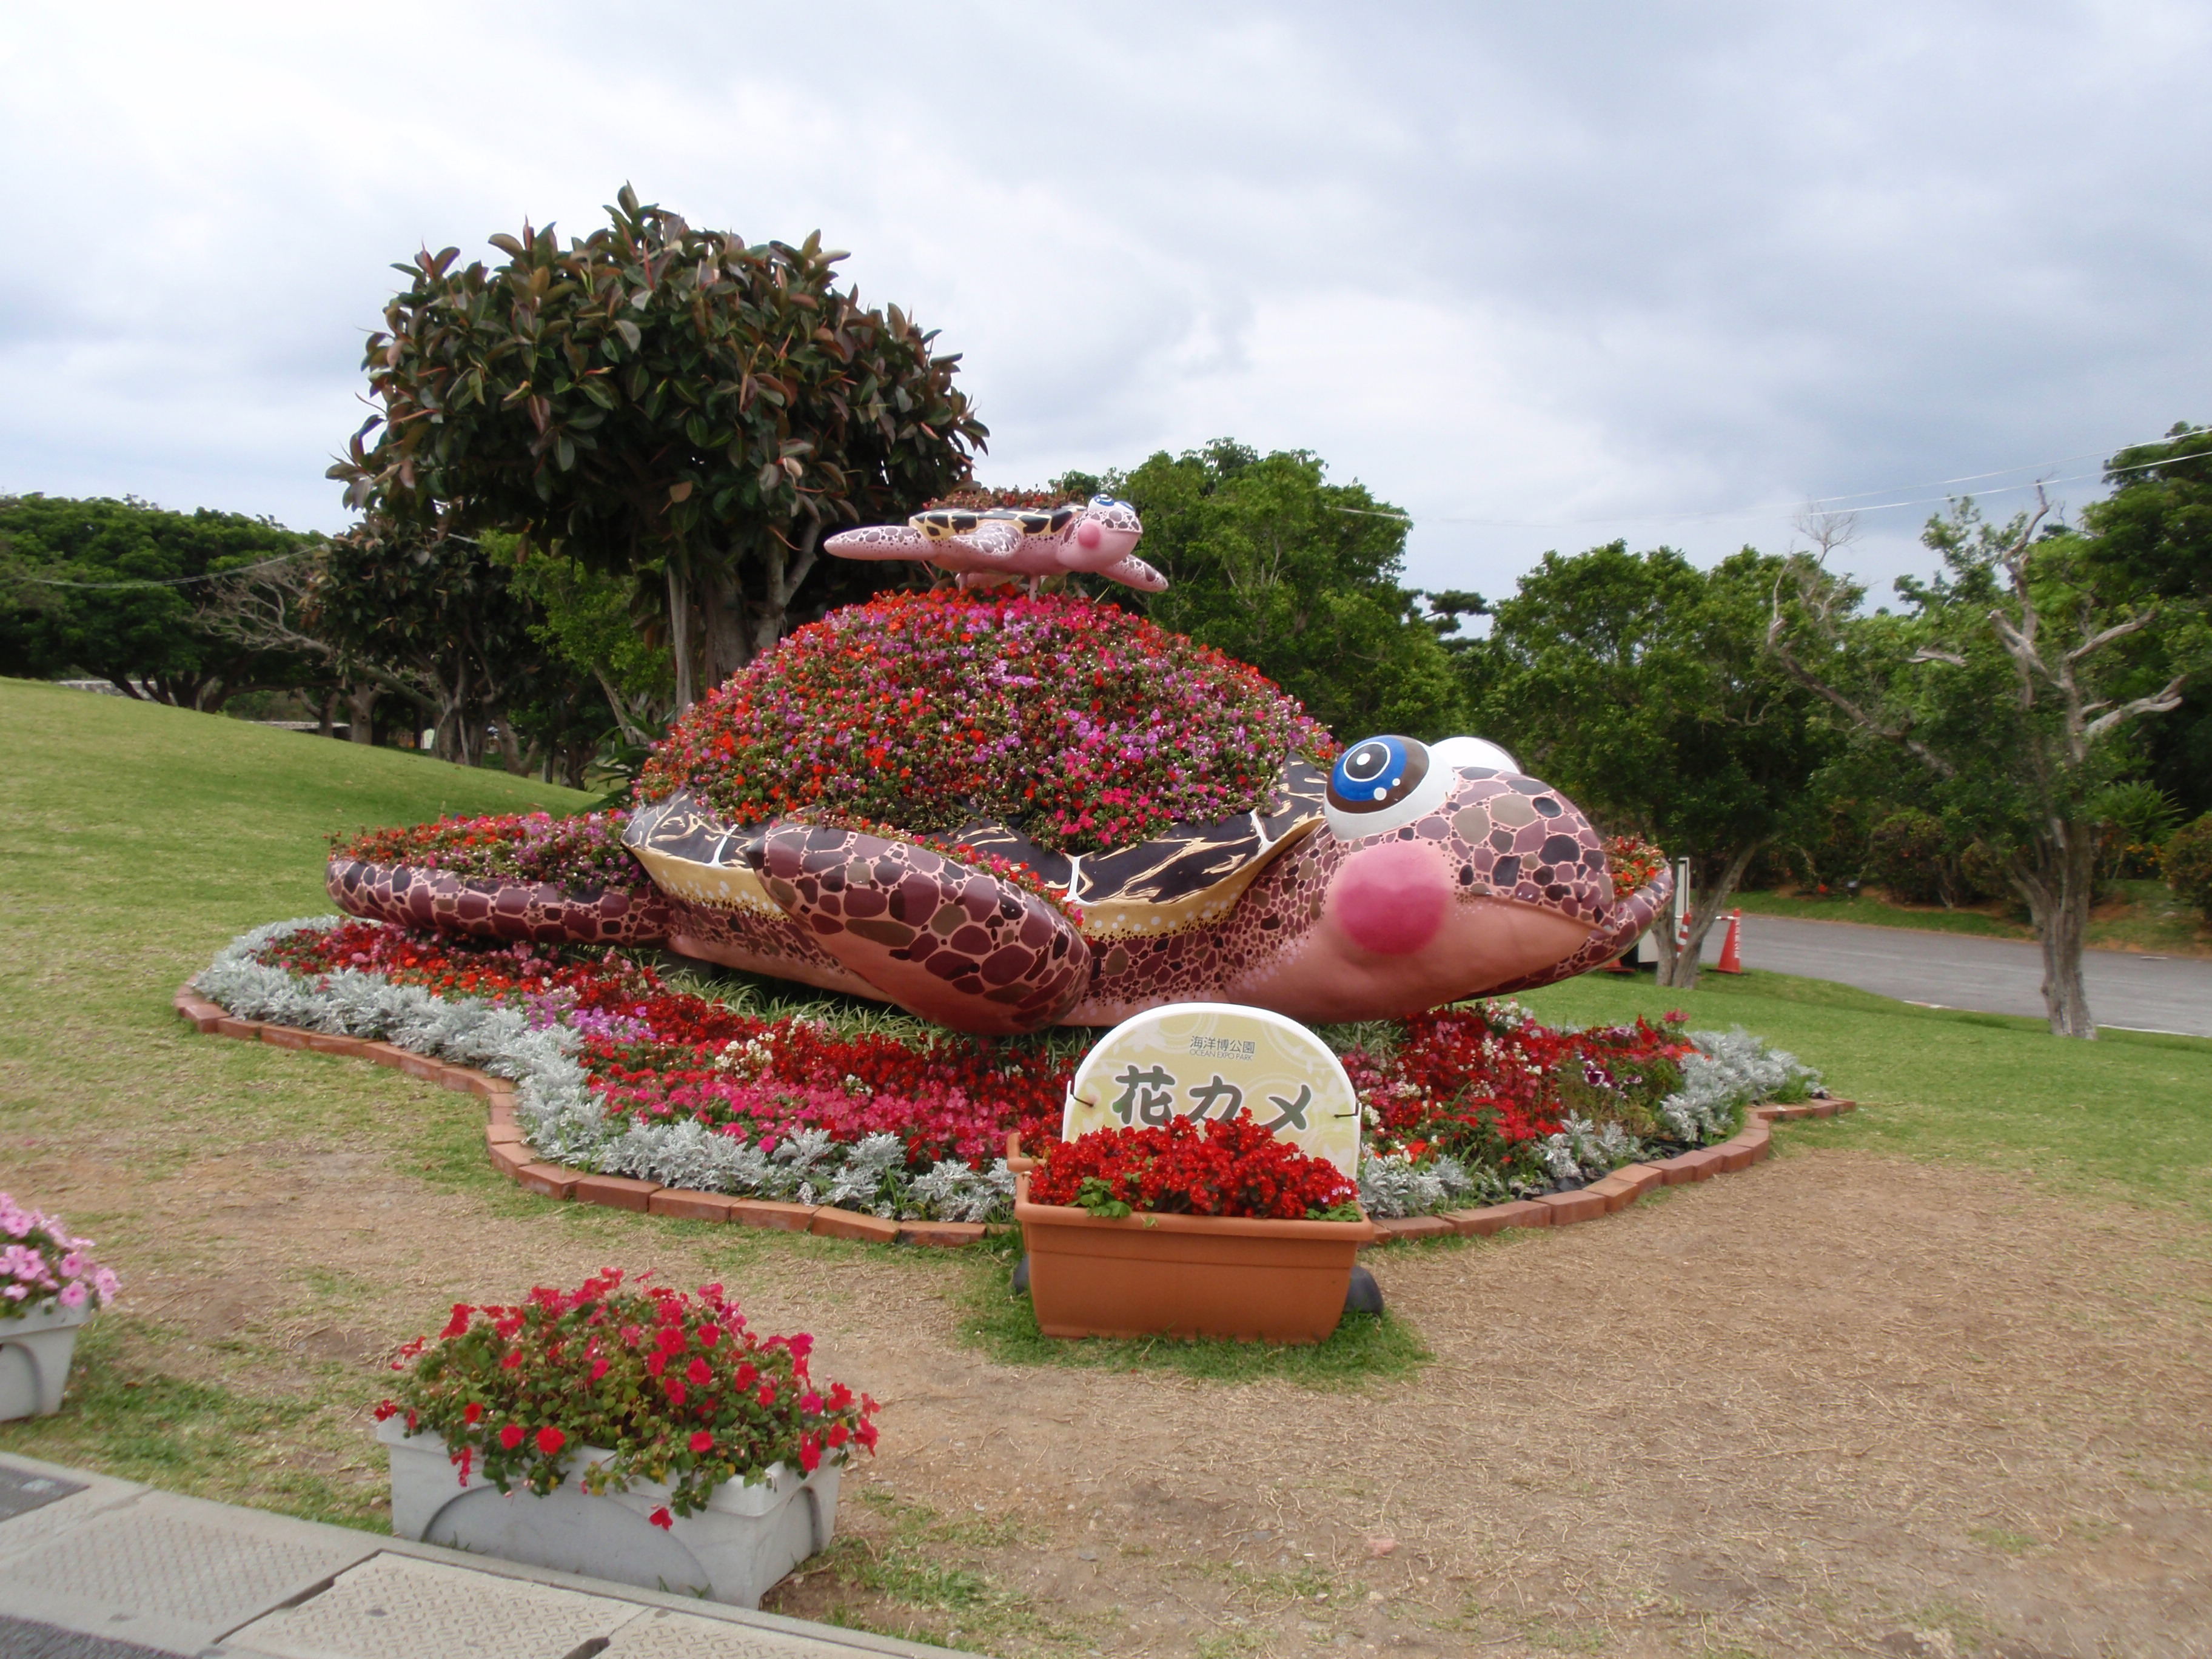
(1375, 773)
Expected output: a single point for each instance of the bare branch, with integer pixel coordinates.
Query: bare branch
(1930, 653)
(1821, 687)
(2158, 702)
(2118, 630)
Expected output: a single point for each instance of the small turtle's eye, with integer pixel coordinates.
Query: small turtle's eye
(1377, 774)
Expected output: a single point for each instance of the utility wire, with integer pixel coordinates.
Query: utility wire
(163, 581)
(1818, 503)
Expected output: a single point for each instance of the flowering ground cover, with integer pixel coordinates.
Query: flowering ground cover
(1086, 726)
(621, 1071)
(580, 854)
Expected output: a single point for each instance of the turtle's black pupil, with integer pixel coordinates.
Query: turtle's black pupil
(1367, 762)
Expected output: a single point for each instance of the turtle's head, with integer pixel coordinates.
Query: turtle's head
(1457, 873)
(1105, 533)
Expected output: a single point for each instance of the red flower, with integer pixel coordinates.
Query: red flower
(473, 1412)
(511, 1435)
(550, 1440)
(661, 1518)
(699, 1371)
(702, 1442)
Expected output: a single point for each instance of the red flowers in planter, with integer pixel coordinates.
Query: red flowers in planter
(582, 853)
(1228, 1167)
(577, 1362)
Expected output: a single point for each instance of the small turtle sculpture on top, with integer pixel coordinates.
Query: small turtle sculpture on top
(988, 545)
(1406, 876)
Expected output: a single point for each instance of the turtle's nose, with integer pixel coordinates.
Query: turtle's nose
(1088, 534)
(1390, 898)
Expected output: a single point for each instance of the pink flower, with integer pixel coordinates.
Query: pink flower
(73, 1295)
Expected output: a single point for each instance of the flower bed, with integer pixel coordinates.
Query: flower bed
(620, 1072)
(1086, 726)
(582, 854)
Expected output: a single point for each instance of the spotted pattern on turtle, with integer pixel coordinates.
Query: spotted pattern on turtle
(494, 908)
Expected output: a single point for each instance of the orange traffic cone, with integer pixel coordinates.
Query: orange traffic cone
(1616, 966)
(1731, 960)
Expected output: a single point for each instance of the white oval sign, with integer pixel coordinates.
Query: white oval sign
(1219, 1059)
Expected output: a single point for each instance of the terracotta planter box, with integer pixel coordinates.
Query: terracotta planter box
(744, 1540)
(1186, 1275)
(35, 1351)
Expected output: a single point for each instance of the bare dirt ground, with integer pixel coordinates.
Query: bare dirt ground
(1837, 1404)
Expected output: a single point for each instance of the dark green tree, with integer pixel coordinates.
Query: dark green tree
(2015, 681)
(117, 589)
(670, 404)
(1299, 577)
(2155, 533)
(1641, 685)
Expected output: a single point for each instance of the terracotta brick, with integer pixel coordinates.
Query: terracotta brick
(688, 1206)
(202, 1014)
(1617, 1194)
(490, 1087)
(851, 1224)
(771, 1213)
(500, 1112)
(284, 1037)
(329, 1043)
(1569, 1207)
(1740, 1153)
(1642, 1177)
(503, 1134)
(1497, 1217)
(1766, 1114)
(1702, 1165)
(383, 1053)
(250, 1029)
(615, 1191)
(421, 1066)
(1415, 1226)
(461, 1079)
(510, 1158)
(1832, 1107)
(942, 1234)
(551, 1179)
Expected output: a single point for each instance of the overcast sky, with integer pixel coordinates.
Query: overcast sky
(1541, 276)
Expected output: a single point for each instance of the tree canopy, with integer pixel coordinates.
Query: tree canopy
(666, 403)
(114, 590)
(1299, 577)
(1640, 685)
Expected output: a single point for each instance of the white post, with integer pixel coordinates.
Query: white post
(1681, 903)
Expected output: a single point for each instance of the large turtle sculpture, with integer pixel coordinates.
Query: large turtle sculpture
(1398, 877)
(984, 545)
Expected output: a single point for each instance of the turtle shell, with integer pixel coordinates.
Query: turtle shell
(938, 524)
(1190, 874)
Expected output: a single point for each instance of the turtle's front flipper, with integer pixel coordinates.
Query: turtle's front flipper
(944, 940)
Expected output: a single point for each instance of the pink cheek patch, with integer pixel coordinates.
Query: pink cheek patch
(1087, 534)
(1391, 898)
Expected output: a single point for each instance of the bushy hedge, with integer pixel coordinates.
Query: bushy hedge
(2187, 863)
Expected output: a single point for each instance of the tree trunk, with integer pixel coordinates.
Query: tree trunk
(361, 711)
(2058, 889)
(330, 715)
(785, 568)
(679, 636)
(1679, 969)
(722, 610)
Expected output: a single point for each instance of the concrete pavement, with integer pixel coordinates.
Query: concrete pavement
(94, 1568)
(1994, 975)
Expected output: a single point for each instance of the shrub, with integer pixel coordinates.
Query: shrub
(2135, 819)
(2186, 864)
(1910, 857)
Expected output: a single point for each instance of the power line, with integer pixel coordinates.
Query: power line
(162, 581)
(1817, 503)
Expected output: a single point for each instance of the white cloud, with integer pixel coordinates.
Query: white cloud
(1592, 269)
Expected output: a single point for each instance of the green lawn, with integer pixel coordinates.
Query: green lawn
(2128, 1116)
(135, 841)
(2142, 915)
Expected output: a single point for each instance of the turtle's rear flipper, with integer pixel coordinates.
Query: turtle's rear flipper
(946, 940)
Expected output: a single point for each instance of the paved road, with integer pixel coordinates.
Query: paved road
(1957, 970)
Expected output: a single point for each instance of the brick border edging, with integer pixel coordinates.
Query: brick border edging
(512, 1155)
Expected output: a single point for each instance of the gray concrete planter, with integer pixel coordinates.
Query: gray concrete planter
(747, 1537)
(36, 1350)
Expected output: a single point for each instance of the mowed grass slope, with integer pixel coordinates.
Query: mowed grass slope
(135, 841)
